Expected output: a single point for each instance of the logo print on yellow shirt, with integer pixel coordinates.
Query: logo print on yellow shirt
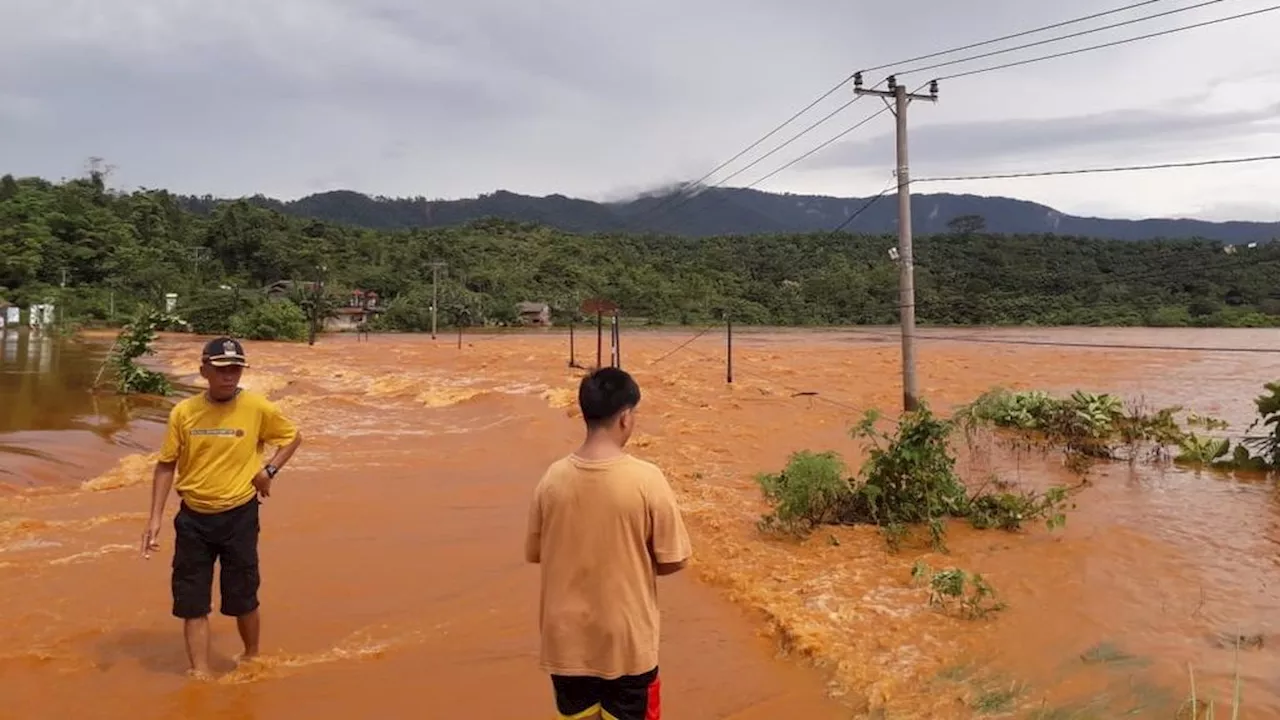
(218, 432)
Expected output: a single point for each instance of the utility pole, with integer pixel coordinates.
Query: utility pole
(906, 267)
(435, 295)
(198, 254)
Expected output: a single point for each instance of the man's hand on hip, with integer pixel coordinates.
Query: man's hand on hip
(262, 483)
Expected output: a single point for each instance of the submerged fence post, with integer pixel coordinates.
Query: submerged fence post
(617, 341)
(729, 348)
(599, 339)
(572, 361)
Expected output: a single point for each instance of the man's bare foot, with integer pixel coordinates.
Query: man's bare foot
(201, 675)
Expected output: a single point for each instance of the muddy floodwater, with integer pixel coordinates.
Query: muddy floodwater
(393, 582)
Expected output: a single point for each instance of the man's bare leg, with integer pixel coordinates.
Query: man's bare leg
(250, 628)
(196, 634)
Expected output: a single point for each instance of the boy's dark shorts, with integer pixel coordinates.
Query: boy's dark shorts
(630, 697)
(229, 537)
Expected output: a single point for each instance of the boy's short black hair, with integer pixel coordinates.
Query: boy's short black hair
(605, 393)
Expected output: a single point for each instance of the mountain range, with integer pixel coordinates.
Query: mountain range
(733, 211)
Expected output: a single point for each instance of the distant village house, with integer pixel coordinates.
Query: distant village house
(532, 313)
(360, 308)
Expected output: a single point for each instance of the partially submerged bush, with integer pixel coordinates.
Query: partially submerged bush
(809, 492)
(1087, 426)
(133, 342)
(1267, 446)
(908, 480)
(957, 591)
(1091, 425)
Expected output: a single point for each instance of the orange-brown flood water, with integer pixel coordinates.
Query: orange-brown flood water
(393, 584)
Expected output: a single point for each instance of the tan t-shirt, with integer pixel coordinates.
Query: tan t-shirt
(598, 528)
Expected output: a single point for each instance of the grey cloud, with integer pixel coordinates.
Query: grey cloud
(968, 146)
(596, 99)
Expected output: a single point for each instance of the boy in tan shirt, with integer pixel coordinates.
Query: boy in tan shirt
(604, 525)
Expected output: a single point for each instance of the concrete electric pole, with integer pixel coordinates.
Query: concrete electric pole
(435, 294)
(906, 268)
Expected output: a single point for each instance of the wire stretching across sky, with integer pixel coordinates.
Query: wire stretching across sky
(1065, 343)
(1091, 171)
(689, 198)
(928, 56)
(1060, 38)
(1114, 43)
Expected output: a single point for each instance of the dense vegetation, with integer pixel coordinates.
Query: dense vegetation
(99, 253)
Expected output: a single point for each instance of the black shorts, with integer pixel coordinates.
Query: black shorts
(630, 697)
(229, 537)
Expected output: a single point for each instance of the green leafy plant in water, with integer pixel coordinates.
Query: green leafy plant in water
(1267, 446)
(908, 480)
(134, 342)
(1090, 426)
(808, 493)
(957, 591)
(1009, 510)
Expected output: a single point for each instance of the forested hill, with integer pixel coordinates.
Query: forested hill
(729, 211)
(99, 252)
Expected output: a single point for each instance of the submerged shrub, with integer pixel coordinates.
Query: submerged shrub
(908, 480)
(1087, 426)
(957, 591)
(809, 492)
(133, 342)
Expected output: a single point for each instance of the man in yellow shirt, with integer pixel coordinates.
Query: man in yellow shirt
(604, 525)
(213, 444)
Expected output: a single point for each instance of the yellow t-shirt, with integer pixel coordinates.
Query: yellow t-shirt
(218, 447)
(598, 529)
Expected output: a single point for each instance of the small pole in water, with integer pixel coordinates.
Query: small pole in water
(617, 341)
(572, 361)
(729, 347)
(599, 338)
(459, 335)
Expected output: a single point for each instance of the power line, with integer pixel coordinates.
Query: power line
(1064, 343)
(1114, 43)
(1089, 171)
(824, 145)
(836, 87)
(865, 207)
(690, 198)
(1060, 38)
(793, 138)
(1013, 36)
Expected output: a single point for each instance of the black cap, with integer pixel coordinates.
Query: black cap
(224, 351)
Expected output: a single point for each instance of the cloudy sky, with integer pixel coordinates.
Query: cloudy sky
(601, 98)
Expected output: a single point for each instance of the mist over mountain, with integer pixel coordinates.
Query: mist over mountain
(734, 211)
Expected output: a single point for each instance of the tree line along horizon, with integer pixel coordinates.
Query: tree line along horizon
(100, 254)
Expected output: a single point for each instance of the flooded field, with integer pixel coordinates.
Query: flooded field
(393, 583)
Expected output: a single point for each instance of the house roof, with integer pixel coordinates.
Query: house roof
(532, 307)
